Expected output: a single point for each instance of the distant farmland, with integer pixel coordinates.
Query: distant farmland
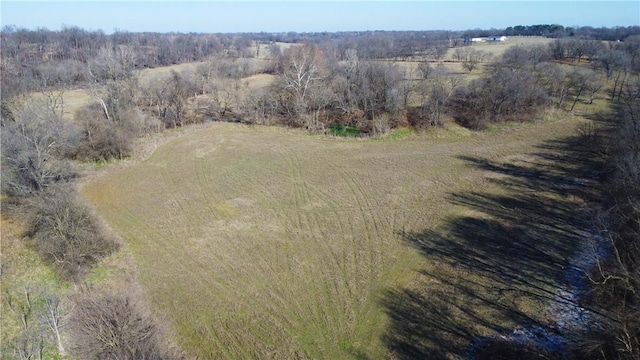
(259, 242)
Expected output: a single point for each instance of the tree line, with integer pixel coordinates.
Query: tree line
(559, 31)
(615, 281)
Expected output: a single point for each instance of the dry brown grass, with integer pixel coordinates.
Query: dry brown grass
(164, 71)
(259, 81)
(74, 100)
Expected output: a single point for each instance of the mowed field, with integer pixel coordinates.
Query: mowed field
(263, 242)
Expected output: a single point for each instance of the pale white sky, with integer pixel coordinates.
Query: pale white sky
(307, 16)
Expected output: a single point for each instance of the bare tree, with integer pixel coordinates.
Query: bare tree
(101, 139)
(258, 106)
(595, 83)
(179, 91)
(558, 49)
(617, 64)
(224, 98)
(113, 64)
(167, 98)
(612, 60)
(304, 69)
(369, 88)
(576, 48)
(538, 54)
(114, 325)
(503, 95)
(424, 69)
(615, 279)
(274, 50)
(114, 82)
(351, 73)
(515, 57)
(31, 304)
(381, 125)
(458, 54)
(435, 93)
(555, 80)
(53, 318)
(319, 99)
(584, 81)
(437, 51)
(32, 147)
(66, 233)
(380, 88)
(472, 58)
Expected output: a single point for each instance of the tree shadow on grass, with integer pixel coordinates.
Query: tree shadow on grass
(497, 269)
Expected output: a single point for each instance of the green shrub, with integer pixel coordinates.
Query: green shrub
(344, 130)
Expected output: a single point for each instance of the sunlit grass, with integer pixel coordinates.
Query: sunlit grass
(260, 242)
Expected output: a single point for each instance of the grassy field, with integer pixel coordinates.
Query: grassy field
(260, 242)
(496, 49)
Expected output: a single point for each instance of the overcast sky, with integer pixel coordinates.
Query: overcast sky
(307, 16)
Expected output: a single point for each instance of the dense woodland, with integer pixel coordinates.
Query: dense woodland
(324, 81)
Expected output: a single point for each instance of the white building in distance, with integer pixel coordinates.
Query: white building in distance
(497, 38)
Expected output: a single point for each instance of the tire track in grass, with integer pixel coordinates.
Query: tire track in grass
(308, 226)
(276, 204)
(195, 277)
(363, 266)
(203, 171)
(172, 183)
(328, 309)
(360, 234)
(348, 263)
(380, 225)
(338, 282)
(298, 191)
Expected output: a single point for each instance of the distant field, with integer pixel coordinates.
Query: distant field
(264, 49)
(74, 99)
(147, 75)
(261, 242)
(498, 48)
(77, 98)
(165, 71)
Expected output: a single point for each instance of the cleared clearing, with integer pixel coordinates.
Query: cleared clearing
(74, 100)
(259, 242)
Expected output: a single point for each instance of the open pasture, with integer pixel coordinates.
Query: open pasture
(497, 48)
(260, 242)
